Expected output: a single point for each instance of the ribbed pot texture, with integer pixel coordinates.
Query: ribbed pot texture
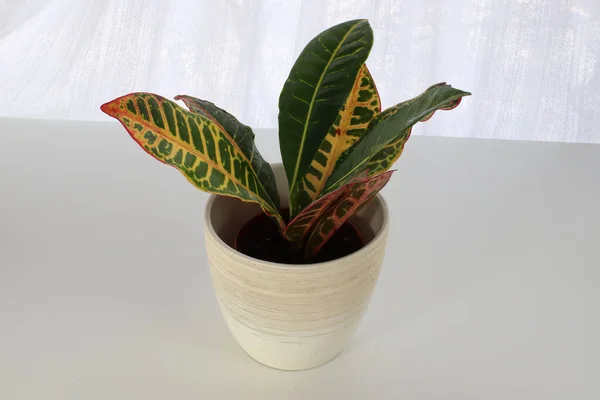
(291, 317)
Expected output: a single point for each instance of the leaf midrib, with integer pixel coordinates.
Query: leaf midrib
(310, 107)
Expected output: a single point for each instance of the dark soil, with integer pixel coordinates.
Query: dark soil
(260, 238)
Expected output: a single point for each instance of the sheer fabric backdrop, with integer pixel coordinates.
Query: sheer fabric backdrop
(532, 65)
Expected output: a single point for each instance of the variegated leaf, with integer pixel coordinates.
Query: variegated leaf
(387, 156)
(362, 105)
(242, 135)
(388, 127)
(355, 194)
(194, 144)
(298, 227)
(315, 91)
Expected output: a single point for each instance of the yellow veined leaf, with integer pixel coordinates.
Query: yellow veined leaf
(194, 144)
(389, 126)
(315, 91)
(242, 135)
(361, 106)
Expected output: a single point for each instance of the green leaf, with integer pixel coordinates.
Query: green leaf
(194, 144)
(243, 136)
(347, 203)
(361, 106)
(392, 125)
(315, 91)
(388, 155)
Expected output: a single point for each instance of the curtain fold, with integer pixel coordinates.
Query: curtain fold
(532, 65)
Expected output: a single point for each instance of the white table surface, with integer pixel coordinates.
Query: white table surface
(489, 290)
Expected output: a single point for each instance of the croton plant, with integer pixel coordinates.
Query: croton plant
(337, 145)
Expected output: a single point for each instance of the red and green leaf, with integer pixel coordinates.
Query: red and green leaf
(347, 203)
(299, 227)
(194, 144)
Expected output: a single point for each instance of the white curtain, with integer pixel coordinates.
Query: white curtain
(532, 65)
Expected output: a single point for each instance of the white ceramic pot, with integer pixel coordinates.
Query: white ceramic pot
(291, 317)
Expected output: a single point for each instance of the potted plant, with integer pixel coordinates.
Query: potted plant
(295, 250)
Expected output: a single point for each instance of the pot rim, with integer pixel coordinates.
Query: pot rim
(375, 242)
